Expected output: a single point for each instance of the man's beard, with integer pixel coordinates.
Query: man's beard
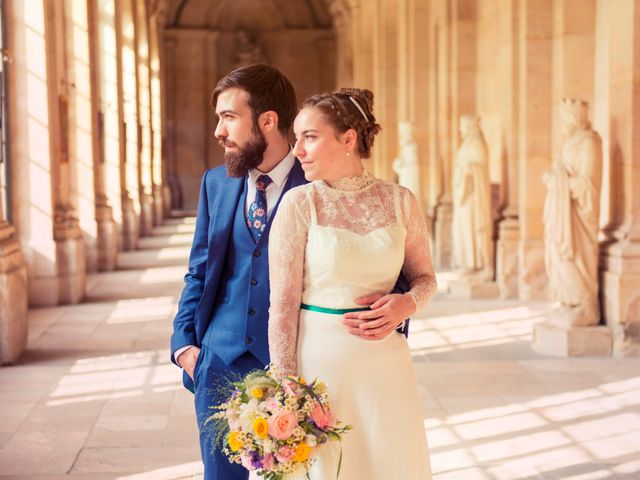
(245, 158)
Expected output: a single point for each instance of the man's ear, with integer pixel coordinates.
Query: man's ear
(268, 121)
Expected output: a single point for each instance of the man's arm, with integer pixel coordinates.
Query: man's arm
(184, 332)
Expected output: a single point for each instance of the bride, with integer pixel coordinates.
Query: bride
(347, 235)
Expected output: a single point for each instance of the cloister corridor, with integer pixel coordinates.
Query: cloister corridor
(95, 396)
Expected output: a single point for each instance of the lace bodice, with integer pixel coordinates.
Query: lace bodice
(333, 242)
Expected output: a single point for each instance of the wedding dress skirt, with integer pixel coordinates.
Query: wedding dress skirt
(372, 386)
(323, 257)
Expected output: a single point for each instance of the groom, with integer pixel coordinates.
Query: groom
(221, 325)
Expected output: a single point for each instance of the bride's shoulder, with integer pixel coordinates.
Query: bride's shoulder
(298, 193)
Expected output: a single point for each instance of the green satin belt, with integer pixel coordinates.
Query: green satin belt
(334, 311)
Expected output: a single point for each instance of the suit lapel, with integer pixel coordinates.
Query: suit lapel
(222, 212)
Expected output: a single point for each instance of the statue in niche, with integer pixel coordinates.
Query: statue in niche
(406, 165)
(571, 212)
(472, 249)
(248, 50)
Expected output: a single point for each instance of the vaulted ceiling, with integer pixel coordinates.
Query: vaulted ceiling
(251, 15)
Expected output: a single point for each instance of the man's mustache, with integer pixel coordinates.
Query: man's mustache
(224, 143)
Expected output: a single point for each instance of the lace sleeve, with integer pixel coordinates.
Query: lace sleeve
(418, 266)
(287, 245)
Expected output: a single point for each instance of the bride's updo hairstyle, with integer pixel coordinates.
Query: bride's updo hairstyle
(349, 108)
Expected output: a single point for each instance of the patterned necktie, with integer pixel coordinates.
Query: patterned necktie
(257, 215)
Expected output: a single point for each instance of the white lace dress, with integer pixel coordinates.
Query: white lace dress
(330, 244)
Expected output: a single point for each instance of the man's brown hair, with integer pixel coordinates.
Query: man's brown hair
(268, 90)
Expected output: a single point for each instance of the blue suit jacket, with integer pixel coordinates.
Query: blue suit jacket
(218, 201)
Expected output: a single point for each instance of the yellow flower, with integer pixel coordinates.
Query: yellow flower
(234, 442)
(260, 427)
(303, 381)
(257, 393)
(302, 453)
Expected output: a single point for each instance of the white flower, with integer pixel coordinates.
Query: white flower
(310, 440)
(268, 445)
(248, 413)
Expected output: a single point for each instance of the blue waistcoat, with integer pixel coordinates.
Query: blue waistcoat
(241, 312)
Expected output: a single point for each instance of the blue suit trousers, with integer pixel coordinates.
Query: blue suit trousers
(210, 378)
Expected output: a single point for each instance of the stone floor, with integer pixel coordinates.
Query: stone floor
(95, 397)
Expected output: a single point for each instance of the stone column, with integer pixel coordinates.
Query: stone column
(155, 26)
(441, 125)
(190, 114)
(618, 112)
(418, 93)
(143, 112)
(28, 107)
(385, 65)
(172, 195)
(106, 140)
(13, 280)
(509, 225)
(67, 234)
(535, 142)
(129, 128)
(212, 75)
(362, 16)
(343, 26)
(573, 48)
(81, 127)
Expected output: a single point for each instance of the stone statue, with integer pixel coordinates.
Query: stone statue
(248, 50)
(472, 249)
(571, 212)
(406, 165)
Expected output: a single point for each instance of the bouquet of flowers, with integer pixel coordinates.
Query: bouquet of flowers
(275, 426)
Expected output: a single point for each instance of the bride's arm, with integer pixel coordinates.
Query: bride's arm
(418, 266)
(287, 244)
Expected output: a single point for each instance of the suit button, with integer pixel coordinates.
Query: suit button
(248, 340)
(254, 282)
(252, 312)
(256, 253)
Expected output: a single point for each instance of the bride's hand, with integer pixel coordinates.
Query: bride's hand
(387, 313)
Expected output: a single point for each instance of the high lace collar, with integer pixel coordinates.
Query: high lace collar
(350, 184)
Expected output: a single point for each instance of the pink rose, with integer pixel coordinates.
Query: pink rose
(292, 388)
(270, 405)
(268, 462)
(284, 454)
(322, 417)
(282, 424)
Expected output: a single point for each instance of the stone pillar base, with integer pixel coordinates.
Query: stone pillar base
(158, 205)
(166, 201)
(471, 290)
(564, 341)
(13, 302)
(619, 282)
(130, 226)
(532, 277)
(442, 236)
(507, 258)
(146, 215)
(71, 269)
(107, 240)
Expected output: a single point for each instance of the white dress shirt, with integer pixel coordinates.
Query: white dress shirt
(279, 175)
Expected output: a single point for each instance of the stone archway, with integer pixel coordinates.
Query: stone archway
(203, 40)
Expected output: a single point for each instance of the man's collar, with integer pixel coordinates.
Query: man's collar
(279, 173)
